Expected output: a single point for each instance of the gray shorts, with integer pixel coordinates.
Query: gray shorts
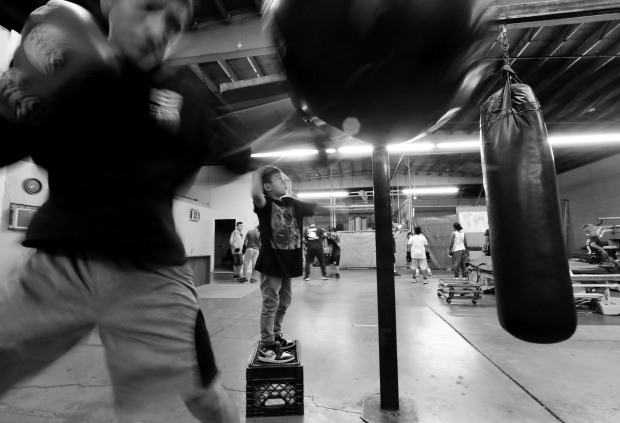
(149, 320)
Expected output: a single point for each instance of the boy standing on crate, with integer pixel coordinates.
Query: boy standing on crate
(280, 258)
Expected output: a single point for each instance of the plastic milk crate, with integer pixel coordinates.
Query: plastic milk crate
(275, 389)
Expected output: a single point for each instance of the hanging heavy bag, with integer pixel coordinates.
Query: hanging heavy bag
(532, 282)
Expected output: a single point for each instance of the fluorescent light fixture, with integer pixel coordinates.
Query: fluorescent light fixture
(353, 206)
(358, 149)
(584, 140)
(322, 194)
(289, 153)
(416, 146)
(431, 190)
(459, 145)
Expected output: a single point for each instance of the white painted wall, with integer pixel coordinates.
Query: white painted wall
(11, 186)
(229, 196)
(197, 235)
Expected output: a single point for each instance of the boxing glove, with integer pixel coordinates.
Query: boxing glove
(62, 47)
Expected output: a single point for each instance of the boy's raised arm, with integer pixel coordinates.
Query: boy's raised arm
(257, 188)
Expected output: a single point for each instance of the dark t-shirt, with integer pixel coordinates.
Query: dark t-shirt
(596, 240)
(280, 224)
(333, 241)
(116, 151)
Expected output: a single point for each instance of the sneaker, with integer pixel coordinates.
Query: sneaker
(429, 272)
(235, 277)
(272, 353)
(306, 278)
(325, 278)
(337, 275)
(241, 280)
(414, 279)
(253, 280)
(284, 344)
(425, 280)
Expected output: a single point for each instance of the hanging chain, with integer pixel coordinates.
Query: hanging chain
(504, 39)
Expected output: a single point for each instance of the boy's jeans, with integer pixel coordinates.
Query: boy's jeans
(459, 262)
(277, 294)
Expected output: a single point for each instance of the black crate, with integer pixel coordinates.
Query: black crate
(275, 389)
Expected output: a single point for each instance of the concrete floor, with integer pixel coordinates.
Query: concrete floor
(455, 362)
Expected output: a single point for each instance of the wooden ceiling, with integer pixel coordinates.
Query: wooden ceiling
(566, 50)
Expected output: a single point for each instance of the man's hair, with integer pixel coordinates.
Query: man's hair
(239, 223)
(268, 172)
(458, 226)
(417, 230)
(333, 229)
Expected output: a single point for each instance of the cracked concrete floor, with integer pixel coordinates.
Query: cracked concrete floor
(455, 362)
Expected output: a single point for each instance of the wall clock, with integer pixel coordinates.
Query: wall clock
(33, 186)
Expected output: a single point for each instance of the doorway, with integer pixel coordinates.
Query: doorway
(222, 254)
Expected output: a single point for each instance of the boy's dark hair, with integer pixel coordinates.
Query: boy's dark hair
(457, 226)
(268, 172)
(417, 230)
(239, 223)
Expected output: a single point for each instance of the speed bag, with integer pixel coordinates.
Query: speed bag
(530, 267)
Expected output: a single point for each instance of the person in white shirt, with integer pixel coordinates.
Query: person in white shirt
(236, 244)
(418, 244)
(459, 251)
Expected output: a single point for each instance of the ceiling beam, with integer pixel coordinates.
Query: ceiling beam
(243, 35)
(323, 183)
(244, 83)
(222, 9)
(228, 70)
(555, 12)
(208, 82)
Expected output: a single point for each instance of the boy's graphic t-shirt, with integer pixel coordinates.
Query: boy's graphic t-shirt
(280, 222)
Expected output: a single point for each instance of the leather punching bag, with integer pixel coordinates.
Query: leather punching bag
(532, 280)
(381, 70)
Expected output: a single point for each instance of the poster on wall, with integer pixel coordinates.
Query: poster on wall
(474, 219)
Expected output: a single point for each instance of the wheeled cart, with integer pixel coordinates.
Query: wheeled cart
(457, 289)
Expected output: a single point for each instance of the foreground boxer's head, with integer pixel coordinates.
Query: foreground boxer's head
(144, 30)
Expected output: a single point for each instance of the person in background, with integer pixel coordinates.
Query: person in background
(419, 245)
(486, 243)
(252, 247)
(408, 255)
(333, 239)
(459, 251)
(314, 244)
(236, 246)
(131, 128)
(396, 228)
(596, 247)
(280, 259)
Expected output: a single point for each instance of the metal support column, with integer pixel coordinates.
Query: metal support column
(386, 408)
(388, 359)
